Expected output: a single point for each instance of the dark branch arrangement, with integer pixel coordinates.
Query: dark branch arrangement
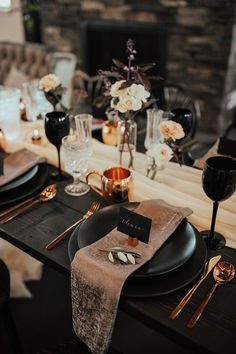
(127, 89)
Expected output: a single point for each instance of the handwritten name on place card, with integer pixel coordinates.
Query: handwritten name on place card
(133, 224)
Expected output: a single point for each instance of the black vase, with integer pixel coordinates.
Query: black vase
(52, 99)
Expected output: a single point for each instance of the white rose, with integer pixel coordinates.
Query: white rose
(115, 89)
(138, 91)
(49, 82)
(127, 103)
(171, 130)
(161, 152)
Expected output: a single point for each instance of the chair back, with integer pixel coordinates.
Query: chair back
(63, 66)
(86, 89)
(230, 130)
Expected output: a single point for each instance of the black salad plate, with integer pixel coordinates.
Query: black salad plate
(174, 252)
(24, 178)
(27, 188)
(167, 283)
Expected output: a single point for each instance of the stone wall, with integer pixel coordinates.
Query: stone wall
(199, 38)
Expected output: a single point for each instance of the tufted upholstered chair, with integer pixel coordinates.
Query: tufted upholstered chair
(31, 59)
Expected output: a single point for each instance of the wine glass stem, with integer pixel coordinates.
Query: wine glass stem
(59, 160)
(76, 179)
(213, 221)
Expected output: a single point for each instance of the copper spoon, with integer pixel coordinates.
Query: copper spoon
(223, 273)
(47, 194)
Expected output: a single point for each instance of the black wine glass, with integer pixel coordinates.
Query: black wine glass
(184, 117)
(219, 183)
(57, 126)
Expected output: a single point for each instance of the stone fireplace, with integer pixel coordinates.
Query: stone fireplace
(197, 47)
(101, 41)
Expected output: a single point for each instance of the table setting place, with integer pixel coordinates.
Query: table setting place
(146, 242)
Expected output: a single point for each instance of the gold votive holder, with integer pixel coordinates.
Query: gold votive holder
(109, 133)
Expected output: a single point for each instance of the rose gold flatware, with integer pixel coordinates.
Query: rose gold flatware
(209, 265)
(92, 209)
(25, 202)
(47, 194)
(223, 273)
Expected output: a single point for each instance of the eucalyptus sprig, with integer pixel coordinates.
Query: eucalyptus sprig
(122, 255)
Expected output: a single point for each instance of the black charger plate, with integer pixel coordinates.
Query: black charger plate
(158, 285)
(27, 188)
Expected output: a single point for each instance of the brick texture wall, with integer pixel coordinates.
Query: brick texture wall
(199, 38)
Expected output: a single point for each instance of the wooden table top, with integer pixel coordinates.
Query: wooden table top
(215, 331)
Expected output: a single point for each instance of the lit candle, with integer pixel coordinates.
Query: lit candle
(36, 138)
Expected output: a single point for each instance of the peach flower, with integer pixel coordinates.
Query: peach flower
(171, 130)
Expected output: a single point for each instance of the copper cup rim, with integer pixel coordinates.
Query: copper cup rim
(126, 171)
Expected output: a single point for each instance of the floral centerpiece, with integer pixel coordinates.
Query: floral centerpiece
(127, 89)
(53, 90)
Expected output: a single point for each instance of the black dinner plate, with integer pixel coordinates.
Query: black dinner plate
(174, 252)
(19, 181)
(33, 185)
(139, 287)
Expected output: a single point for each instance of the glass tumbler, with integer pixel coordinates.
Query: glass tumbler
(83, 124)
(36, 104)
(10, 112)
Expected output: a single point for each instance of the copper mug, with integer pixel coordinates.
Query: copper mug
(116, 184)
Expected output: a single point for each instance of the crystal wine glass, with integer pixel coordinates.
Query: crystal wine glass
(57, 126)
(76, 155)
(219, 183)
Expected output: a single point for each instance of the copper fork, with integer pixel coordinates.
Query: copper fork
(92, 209)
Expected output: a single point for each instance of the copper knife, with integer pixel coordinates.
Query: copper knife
(209, 265)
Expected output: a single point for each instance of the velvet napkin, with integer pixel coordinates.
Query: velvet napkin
(16, 164)
(96, 283)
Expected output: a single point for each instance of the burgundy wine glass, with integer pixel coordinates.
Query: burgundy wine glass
(219, 183)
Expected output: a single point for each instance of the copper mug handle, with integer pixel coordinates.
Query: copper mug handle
(95, 189)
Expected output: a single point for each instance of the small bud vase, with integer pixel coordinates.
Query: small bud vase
(156, 170)
(127, 141)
